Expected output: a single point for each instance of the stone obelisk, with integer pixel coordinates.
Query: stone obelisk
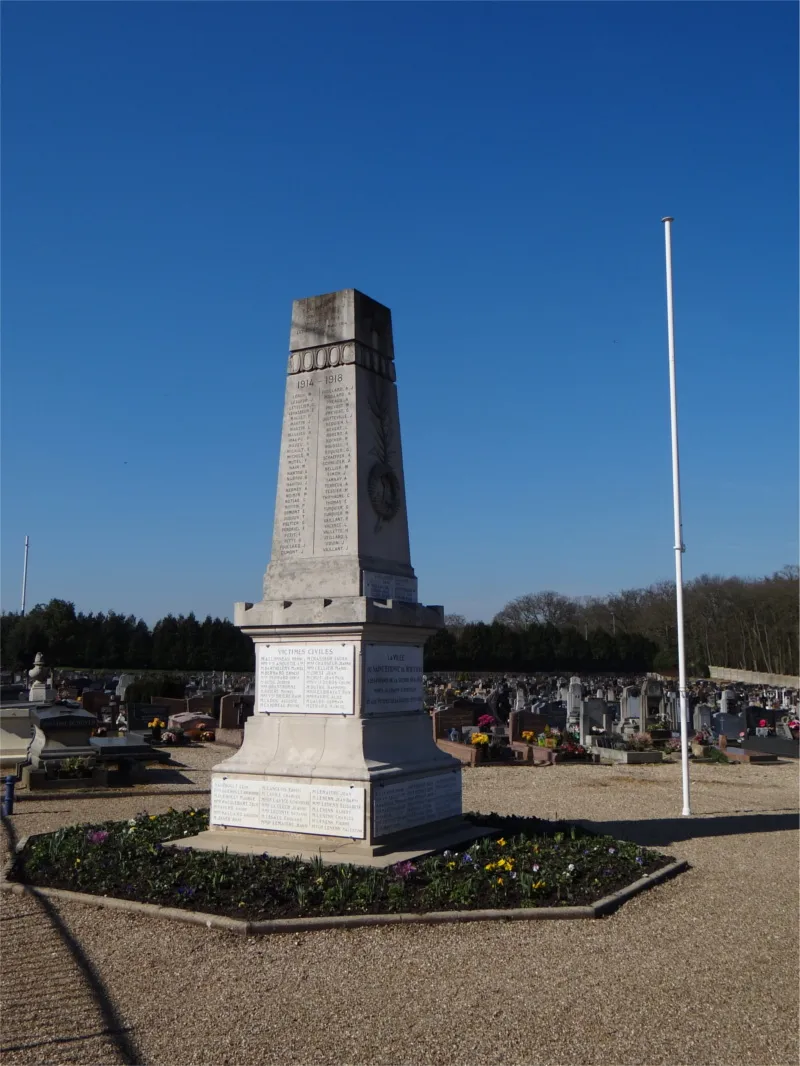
(338, 758)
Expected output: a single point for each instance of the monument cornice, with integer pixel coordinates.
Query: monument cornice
(346, 353)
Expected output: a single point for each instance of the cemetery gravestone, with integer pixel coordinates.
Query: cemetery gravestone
(591, 715)
(702, 717)
(125, 681)
(754, 716)
(630, 702)
(651, 701)
(727, 725)
(728, 701)
(59, 733)
(574, 701)
(338, 758)
(139, 715)
(234, 710)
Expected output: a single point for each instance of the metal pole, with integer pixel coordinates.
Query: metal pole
(25, 576)
(676, 503)
(8, 796)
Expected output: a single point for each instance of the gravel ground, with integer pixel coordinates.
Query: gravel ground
(701, 970)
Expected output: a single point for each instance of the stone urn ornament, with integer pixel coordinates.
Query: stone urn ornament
(40, 691)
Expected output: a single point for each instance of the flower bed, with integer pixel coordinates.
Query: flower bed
(525, 863)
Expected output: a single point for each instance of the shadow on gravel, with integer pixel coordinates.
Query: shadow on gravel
(113, 1027)
(105, 793)
(659, 832)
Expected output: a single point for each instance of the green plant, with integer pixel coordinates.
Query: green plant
(715, 755)
(76, 766)
(521, 862)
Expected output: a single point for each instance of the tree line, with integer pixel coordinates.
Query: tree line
(741, 623)
(122, 642)
(534, 647)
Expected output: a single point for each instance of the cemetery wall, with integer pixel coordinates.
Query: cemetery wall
(753, 677)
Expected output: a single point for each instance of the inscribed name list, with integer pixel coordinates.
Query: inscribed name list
(410, 803)
(390, 587)
(316, 513)
(325, 810)
(392, 678)
(305, 679)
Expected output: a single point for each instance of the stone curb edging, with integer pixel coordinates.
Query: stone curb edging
(600, 909)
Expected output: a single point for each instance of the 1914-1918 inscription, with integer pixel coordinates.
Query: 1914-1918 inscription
(305, 679)
(316, 504)
(292, 807)
(389, 587)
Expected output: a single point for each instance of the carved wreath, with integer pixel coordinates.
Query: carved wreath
(383, 484)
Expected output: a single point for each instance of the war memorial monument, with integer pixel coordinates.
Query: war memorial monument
(338, 759)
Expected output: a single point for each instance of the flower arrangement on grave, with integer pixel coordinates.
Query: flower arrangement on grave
(569, 746)
(549, 738)
(701, 744)
(486, 721)
(479, 739)
(156, 725)
(639, 742)
(529, 736)
(208, 735)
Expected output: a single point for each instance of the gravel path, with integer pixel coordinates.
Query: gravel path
(701, 970)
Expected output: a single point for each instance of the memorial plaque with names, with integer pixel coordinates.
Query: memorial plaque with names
(236, 802)
(290, 807)
(305, 679)
(389, 587)
(411, 803)
(316, 512)
(392, 678)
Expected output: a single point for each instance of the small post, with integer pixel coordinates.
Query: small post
(8, 796)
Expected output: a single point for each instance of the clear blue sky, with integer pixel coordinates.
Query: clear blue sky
(175, 174)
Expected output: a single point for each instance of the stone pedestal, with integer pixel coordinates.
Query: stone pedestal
(41, 693)
(40, 690)
(338, 758)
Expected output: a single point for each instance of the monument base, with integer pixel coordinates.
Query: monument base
(452, 833)
(41, 693)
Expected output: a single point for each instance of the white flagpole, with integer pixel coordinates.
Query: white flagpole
(679, 545)
(25, 576)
